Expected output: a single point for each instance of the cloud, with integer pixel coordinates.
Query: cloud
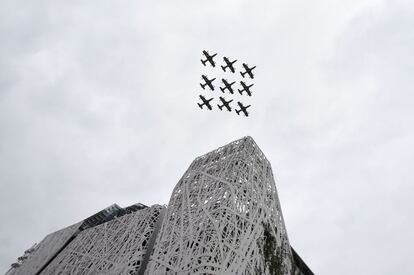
(98, 105)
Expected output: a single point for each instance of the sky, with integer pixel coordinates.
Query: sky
(98, 106)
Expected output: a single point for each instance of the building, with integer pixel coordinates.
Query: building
(112, 241)
(223, 217)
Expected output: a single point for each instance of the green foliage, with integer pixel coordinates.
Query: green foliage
(272, 254)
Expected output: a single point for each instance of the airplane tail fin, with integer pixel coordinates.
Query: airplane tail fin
(203, 61)
(203, 86)
(200, 105)
(240, 91)
(222, 89)
(237, 111)
(220, 107)
(242, 74)
(224, 68)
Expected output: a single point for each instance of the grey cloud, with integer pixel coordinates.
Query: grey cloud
(97, 105)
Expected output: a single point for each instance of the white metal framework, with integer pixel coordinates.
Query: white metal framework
(224, 217)
(44, 251)
(115, 247)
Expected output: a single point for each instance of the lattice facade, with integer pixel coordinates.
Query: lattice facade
(224, 217)
(45, 250)
(115, 247)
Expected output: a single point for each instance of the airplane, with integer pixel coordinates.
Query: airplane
(245, 88)
(207, 82)
(248, 71)
(228, 64)
(227, 86)
(205, 102)
(242, 109)
(225, 104)
(209, 58)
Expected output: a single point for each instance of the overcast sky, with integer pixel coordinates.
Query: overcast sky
(98, 106)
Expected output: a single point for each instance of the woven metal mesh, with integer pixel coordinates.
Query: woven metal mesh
(217, 216)
(115, 247)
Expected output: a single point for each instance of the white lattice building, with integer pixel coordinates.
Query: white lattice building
(113, 241)
(223, 217)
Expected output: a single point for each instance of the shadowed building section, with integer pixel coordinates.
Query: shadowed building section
(45, 251)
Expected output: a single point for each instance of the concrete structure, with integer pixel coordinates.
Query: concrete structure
(223, 217)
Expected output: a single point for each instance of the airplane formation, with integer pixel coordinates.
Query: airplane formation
(227, 86)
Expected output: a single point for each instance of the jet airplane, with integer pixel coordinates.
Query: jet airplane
(225, 104)
(206, 102)
(229, 64)
(248, 71)
(209, 58)
(246, 88)
(208, 82)
(227, 86)
(242, 109)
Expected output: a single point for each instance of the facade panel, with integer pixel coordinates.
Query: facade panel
(45, 251)
(224, 217)
(114, 247)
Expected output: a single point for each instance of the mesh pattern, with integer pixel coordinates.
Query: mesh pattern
(216, 215)
(115, 247)
(45, 250)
